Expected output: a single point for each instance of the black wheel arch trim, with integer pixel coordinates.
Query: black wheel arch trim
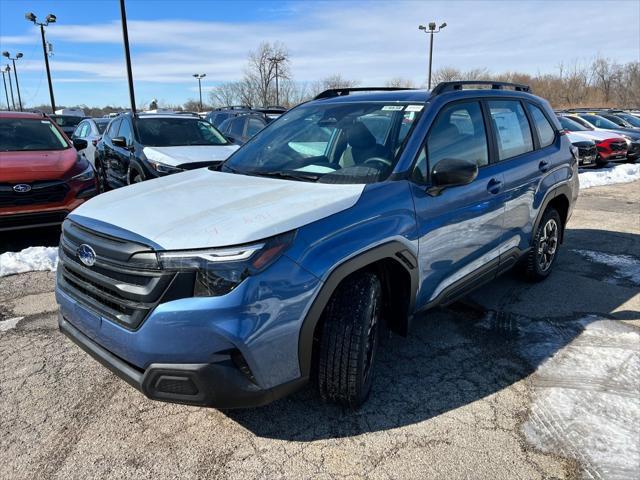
(553, 193)
(394, 250)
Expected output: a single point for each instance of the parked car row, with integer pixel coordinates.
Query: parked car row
(613, 134)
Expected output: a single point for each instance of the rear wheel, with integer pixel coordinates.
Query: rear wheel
(541, 258)
(350, 334)
(135, 176)
(101, 176)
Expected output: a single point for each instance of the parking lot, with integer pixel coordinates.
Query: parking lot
(517, 381)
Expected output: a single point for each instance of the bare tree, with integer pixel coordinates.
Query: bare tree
(332, 81)
(261, 71)
(399, 82)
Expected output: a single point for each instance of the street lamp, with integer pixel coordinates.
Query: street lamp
(431, 29)
(200, 76)
(15, 73)
(277, 60)
(7, 70)
(127, 56)
(51, 18)
(6, 92)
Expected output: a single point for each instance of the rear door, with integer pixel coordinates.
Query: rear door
(460, 229)
(525, 142)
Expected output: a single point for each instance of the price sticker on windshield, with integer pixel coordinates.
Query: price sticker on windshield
(414, 108)
(393, 107)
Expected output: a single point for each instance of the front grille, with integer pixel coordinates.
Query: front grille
(618, 146)
(123, 285)
(41, 192)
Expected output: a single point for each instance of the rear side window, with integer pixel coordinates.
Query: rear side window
(254, 126)
(512, 128)
(546, 133)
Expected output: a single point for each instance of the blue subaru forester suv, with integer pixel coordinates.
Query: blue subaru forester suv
(234, 286)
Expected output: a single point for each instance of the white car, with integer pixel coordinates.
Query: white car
(91, 130)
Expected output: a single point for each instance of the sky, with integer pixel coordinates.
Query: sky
(368, 41)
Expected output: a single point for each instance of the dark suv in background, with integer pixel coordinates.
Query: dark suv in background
(136, 148)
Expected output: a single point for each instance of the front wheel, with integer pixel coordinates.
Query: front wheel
(101, 175)
(541, 258)
(349, 341)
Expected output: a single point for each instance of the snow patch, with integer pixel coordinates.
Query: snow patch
(624, 173)
(29, 260)
(625, 266)
(586, 400)
(9, 323)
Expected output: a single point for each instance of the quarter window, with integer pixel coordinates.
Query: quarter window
(546, 133)
(512, 128)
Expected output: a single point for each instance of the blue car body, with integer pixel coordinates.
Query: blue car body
(255, 343)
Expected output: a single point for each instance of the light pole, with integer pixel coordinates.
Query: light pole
(431, 29)
(276, 60)
(200, 76)
(15, 73)
(51, 18)
(7, 70)
(6, 92)
(127, 54)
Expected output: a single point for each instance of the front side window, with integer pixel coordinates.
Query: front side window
(18, 135)
(457, 132)
(546, 133)
(254, 126)
(355, 142)
(125, 131)
(635, 121)
(113, 128)
(511, 127)
(78, 131)
(175, 132)
(237, 127)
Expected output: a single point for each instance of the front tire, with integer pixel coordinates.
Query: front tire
(544, 251)
(350, 335)
(101, 175)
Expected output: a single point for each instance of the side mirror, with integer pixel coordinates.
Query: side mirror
(79, 144)
(119, 142)
(452, 172)
(230, 139)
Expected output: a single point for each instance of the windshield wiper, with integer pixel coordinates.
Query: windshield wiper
(295, 175)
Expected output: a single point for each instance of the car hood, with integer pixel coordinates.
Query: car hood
(38, 165)
(597, 135)
(176, 156)
(202, 208)
(579, 137)
(609, 133)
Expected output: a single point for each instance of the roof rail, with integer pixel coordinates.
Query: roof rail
(339, 92)
(443, 87)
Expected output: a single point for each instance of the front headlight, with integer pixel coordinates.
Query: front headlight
(87, 174)
(220, 270)
(163, 168)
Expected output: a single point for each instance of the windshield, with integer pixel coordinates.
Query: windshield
(599, 121)
(102, 125)
(330, 143)
(18, 134)
(571, 125)
(175, 132)
(635, 121)
(67, 120)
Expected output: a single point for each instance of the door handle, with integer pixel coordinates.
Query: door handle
(543, 166)
(494, 186)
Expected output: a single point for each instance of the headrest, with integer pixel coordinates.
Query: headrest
(359, 136)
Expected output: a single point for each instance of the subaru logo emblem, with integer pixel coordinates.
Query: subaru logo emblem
(22, 188)
(86, 254)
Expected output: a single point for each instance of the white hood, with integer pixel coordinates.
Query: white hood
(176, 156)
(202, 208)
(578, 137)
(597, 135)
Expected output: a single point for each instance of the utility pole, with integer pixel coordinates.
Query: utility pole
(8, 70)
(15, 73)
(51, 18)
(127, 54)
(6, 92)
(276, 60)
(431, 29)
(200, 76)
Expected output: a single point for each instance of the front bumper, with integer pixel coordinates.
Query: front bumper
(218, 384)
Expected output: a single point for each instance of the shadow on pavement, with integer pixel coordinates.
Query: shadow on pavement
(16, 240)
(469, 350)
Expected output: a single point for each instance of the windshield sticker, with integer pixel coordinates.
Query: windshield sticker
(393, 107)
(315, 169)
(414, 108)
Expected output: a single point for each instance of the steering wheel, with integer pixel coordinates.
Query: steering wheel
(379, 162)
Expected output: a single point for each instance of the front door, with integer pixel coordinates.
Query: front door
(461, 228)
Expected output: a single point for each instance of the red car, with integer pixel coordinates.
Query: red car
(42, 177)
(612, 149)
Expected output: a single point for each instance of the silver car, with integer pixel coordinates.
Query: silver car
(91, 130)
